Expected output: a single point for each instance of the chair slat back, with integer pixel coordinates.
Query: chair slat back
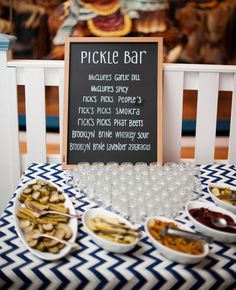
(232, 134)
(12, 128)
(61, 99)
(206, 117)
(172, 114)
(35, 115)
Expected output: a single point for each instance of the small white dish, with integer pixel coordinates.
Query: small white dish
(220, 202)
(107, 245)
(73, 224)
(172, 254)
(218, 235)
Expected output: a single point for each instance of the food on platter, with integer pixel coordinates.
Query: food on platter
(224, 193)
(81, 30)
(179, 244)
(206, 216)
(42, 192)
(33, 233)
(112, 229)
(114, 24)
(41, 196)
(57, 17)
(174, 248)
(152, 22)
(218, 235)
(101, 7)
(207, 4)
(109, 230)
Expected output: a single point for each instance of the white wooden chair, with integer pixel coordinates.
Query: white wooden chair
(36, 74)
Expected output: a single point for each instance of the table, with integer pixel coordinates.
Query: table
(90, 267)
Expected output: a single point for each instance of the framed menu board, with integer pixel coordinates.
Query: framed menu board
(113, 100)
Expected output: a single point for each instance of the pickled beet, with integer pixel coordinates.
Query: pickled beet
(204, 216)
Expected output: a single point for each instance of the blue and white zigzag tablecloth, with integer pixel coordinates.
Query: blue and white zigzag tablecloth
(90, 267)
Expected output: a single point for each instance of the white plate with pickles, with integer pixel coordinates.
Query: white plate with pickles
(110, 231)
(224, 195)
(49, 236)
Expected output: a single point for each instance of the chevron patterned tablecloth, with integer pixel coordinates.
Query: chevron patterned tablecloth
(90, 267)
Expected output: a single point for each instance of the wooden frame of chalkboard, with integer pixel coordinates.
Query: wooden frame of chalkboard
(112, 100)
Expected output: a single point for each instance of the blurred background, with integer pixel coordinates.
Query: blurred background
(195, 32)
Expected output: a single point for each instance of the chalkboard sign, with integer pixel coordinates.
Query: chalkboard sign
(113, 100)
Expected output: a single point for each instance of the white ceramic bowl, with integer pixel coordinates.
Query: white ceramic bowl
(216, 234)
(73, 224)
(171, 254)
(103, 243)
(218, 201)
